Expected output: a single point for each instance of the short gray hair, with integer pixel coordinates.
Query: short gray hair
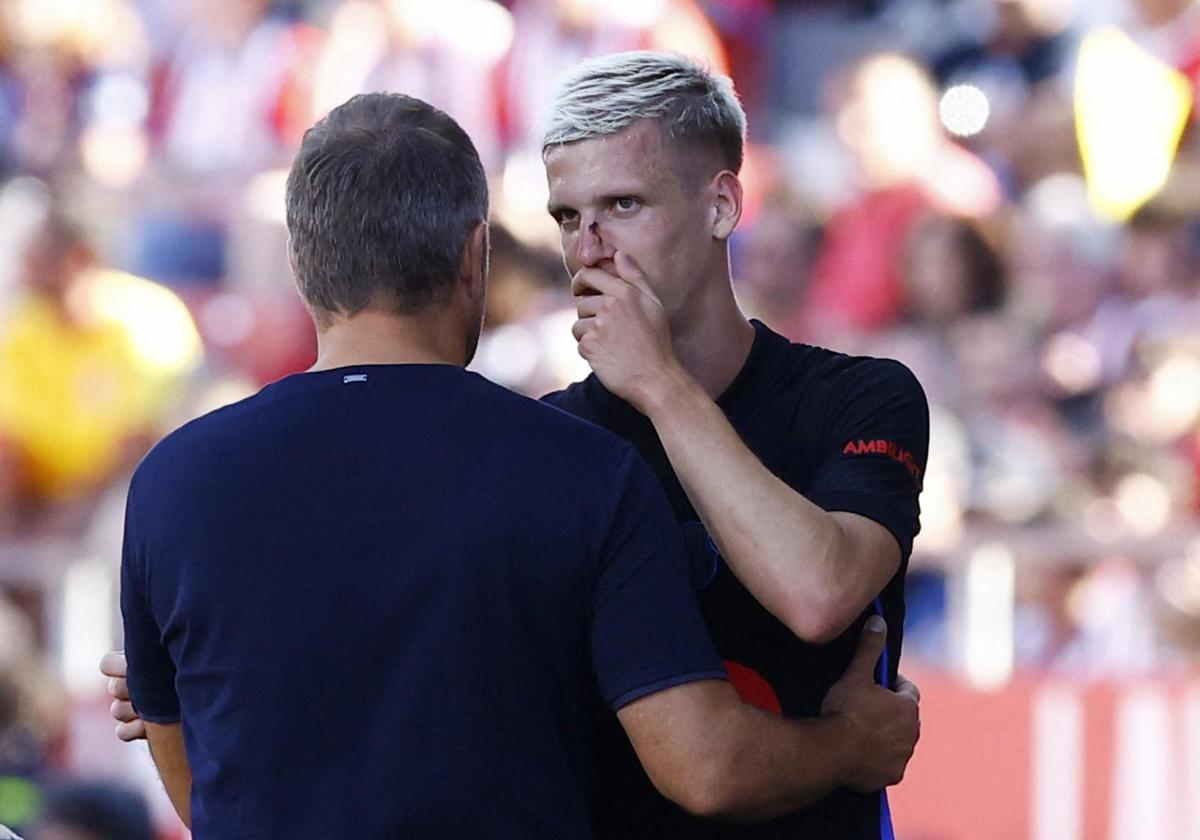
(380, 201)
(608, 94)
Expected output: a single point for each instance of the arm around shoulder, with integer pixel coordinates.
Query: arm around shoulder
(717, 757)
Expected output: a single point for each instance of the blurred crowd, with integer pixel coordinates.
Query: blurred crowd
(1003, 194)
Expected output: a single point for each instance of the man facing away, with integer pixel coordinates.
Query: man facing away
(793, 470)
(372, 600)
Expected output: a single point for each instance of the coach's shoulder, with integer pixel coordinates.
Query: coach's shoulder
(563, 423)
(190, 441)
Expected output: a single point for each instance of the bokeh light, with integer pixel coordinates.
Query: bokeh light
(964, 110)
(159, 324)
(1072, 363)
(1144, 502)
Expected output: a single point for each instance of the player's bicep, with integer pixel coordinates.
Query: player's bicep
(876, 554)
(878, 447)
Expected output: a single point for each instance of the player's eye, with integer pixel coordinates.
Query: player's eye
(626, 204)
(566, 219)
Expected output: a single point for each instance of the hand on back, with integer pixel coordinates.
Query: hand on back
(130, 727)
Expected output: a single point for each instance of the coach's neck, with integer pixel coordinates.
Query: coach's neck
(435, 335)
(443, 332)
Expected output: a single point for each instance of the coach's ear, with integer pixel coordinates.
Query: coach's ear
(473, 264)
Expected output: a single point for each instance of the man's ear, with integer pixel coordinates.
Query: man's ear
(473, 264)
(726, 204)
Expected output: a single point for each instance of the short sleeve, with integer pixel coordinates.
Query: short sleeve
(647, 632)
(151, 670)
(878, 444)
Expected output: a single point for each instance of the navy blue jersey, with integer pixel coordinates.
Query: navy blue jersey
(378, 599)
(850, 434)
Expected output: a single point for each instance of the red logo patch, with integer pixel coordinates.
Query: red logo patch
(888, 448)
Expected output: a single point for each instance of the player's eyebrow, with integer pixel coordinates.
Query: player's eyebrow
(607, 198)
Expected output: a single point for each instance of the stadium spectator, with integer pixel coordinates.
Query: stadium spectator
(905, 168)
(223, 105)
(75, 400)
(407, 45)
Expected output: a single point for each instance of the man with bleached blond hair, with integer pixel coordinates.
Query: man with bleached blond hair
(794, 471)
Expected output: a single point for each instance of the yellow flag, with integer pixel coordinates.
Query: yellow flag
(1130, 112)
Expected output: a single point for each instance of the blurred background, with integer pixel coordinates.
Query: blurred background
(1004, 194)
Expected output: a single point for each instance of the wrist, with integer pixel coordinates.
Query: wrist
(849, 746)
(667, 392)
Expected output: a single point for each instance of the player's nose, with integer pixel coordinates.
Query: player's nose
(591, 249)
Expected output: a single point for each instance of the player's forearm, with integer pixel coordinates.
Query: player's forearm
(792, 555)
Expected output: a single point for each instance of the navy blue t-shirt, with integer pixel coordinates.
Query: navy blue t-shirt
(848, 433)
(379, 597)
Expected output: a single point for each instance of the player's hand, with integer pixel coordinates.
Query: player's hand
(622, 331)
(885, 724)
(130, 727)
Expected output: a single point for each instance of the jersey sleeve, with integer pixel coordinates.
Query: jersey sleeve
(878, 444)
(647, 633)
(151, 670)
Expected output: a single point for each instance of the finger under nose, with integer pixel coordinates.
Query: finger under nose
(594, 281)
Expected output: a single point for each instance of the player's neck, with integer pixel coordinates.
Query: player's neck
(713, 340)
(382, 338)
